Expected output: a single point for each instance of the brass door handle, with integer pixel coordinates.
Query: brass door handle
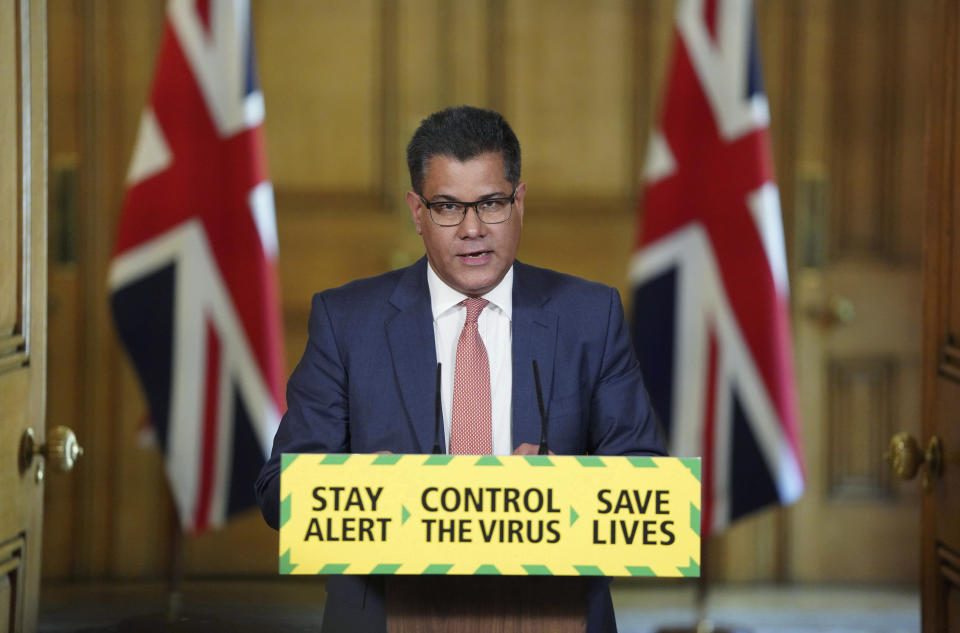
(61, 450)
(905, 458)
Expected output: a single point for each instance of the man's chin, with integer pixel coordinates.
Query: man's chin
(475, 285)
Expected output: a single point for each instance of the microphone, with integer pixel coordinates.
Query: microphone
(543, 414)
(438, 429)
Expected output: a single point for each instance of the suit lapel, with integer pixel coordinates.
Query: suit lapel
(534, 338)
(410, 335)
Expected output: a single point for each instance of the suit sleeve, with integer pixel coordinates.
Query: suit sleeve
(622, 420)
(317, 417)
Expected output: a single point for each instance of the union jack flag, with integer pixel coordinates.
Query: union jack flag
(193, 277)
(711, 319)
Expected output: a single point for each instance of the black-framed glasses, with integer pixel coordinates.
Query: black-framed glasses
(489, 210)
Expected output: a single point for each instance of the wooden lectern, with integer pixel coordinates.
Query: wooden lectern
(478, 604)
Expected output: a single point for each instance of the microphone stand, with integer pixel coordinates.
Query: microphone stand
(438, 418)
(543, 450)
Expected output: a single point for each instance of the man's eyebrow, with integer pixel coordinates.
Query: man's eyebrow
(444, 197)
(495, 194)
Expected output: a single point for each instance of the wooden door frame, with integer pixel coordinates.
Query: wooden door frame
(943, 198)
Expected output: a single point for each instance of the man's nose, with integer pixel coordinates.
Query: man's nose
(471, 225)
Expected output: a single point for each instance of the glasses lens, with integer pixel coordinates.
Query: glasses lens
(447, 213)
(494, 211)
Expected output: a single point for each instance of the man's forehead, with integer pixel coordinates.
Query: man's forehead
(453, 179)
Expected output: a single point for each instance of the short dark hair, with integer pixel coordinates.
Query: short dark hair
(463, 132)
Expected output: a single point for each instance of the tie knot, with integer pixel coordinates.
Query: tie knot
(474, 307)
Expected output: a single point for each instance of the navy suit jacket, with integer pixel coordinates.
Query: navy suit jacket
(366, 383)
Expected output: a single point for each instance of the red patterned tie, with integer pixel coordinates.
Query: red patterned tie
(470, 429)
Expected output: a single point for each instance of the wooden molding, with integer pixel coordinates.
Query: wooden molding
(388, 92)
(11, 583)
(949, 562)
(11, 555)
(950, 362)
(861, 404)
(319, 202)
(13, 352)
(864, 192)
(12, 344)
(497, 56)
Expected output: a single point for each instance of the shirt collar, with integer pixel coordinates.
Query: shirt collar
(443, 297)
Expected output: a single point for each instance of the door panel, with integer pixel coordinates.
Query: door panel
(22, 304)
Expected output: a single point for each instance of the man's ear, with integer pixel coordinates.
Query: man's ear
(416, 210)
(518, 199)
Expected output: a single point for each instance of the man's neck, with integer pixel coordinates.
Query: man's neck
(443, 297)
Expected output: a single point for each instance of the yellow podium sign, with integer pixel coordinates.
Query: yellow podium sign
(445, 514)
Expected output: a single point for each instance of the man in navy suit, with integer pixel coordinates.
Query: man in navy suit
(366, 381)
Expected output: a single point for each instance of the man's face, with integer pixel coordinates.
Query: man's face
(471, 257)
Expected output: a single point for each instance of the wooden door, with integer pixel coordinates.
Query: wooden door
(940, 516)
(22, 304)
(857, 284)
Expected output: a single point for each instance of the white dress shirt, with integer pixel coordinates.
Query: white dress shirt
(495, 330)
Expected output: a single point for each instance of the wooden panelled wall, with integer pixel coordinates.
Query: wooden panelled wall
(346, 82)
